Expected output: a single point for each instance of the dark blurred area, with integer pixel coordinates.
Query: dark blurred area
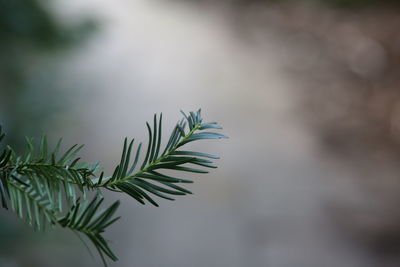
(349, 63)
(32, 41)
(307, 91)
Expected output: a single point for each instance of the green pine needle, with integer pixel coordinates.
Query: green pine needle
(48, 188)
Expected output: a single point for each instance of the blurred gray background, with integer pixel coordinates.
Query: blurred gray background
(307, 91)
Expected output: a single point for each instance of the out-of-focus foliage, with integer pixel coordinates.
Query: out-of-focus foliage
(30, 35)
(29, 23)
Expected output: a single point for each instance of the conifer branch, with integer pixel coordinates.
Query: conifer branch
(47, 188)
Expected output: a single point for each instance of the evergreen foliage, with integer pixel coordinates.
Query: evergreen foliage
(47, 188)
